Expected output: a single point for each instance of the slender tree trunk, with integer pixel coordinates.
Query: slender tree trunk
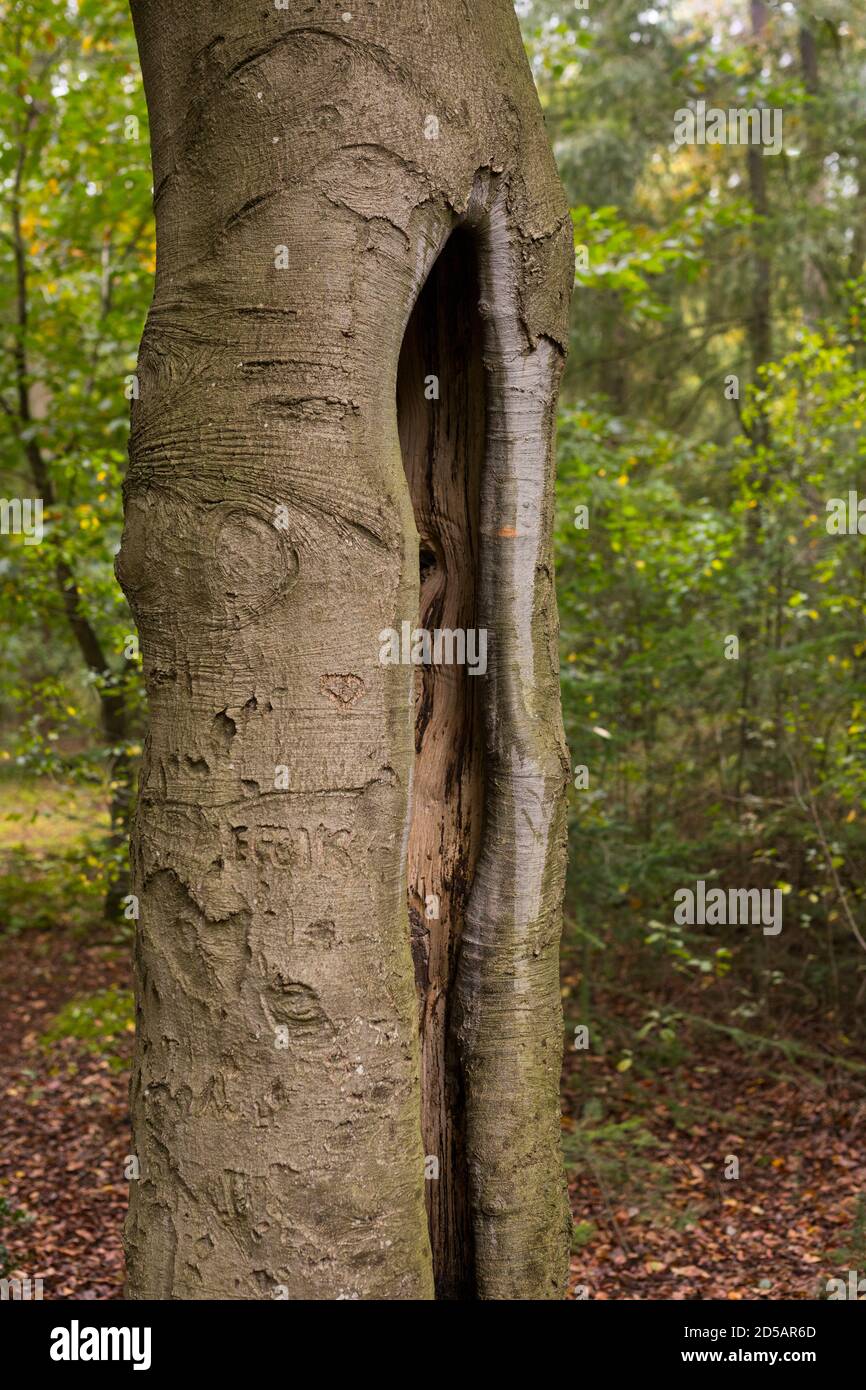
(761, 350)
(347, 389)
(761, 340)
(814, 286)
(112, 696)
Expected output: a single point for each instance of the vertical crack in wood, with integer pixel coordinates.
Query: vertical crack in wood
(443, 442)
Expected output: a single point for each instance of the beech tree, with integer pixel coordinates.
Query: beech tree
(348, 857)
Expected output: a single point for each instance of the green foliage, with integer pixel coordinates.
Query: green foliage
(54, 867)
(621, 1156)
(76, 264)
(683, 781)
(96, 1021)
(51, 893)
(583, 1232)
(704, 442)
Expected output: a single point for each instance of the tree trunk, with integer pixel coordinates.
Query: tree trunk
(761, 318)
(364, 264)
(761, 351)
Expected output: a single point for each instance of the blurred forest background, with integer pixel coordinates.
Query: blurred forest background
(714, 401)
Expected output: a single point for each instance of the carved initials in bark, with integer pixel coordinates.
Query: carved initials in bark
(401, 162)
(320, 851)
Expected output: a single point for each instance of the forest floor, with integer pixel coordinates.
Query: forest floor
(65, 1048)
(64, 1123)
(710, 1171)
(727, 1174)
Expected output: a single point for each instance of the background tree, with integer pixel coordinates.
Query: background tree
(75, 252)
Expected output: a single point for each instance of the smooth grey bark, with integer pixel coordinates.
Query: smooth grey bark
(300, 801)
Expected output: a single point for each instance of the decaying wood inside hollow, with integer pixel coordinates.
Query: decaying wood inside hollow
(441, 411)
